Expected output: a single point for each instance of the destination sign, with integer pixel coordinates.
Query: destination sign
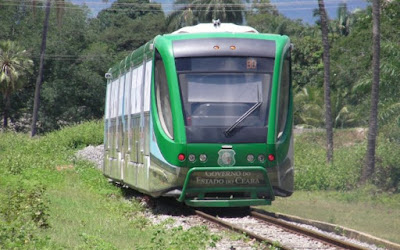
(227, 178)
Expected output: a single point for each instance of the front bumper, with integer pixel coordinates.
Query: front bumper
(227, 187)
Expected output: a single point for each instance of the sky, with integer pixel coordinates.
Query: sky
(294, 9)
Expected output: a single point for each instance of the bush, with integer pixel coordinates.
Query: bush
(313, 173)
(387, 167)
(27, 169)
(24, 211)
(79, 136)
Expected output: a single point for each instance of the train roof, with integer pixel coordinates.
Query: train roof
(199, 31)
(216, 27)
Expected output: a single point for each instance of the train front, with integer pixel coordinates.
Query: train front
(222, 118)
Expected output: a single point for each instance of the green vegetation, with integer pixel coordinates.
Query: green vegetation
(50, 199)
(81, 48)
(366, 210)
(331, 193)
(313, 173)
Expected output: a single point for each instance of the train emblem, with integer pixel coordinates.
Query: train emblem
(226, 157)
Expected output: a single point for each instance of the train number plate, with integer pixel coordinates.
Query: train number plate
(227, 178)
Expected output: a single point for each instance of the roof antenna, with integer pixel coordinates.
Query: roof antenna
(216, 23)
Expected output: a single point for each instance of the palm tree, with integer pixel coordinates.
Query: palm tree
(14, 64)
(204, 11)
(180, 18)
(309, 108)
(369, 167)
(59, 5)
(327, 87)
(39, 80)
(344, 21)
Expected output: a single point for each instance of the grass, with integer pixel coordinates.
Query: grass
(332, 192)
(51, 200)
(360, 210)
(82, 218)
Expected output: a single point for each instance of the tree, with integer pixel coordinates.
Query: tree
(265, 18)
(14, 64)
(327, 87)
(344, 19)
(180, 18)
(59, 6)
(204, 11)
(263, 7)
(115, 25)
(132, 9)
(369, 167)
(40, 74)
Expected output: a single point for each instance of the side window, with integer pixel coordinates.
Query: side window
(108, 100)
(147, 83)
(162, 96)
(121, 95)
(284, 96)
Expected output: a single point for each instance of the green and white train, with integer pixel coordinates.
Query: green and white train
(205, 115)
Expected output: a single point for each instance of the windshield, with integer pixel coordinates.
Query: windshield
(225, 100)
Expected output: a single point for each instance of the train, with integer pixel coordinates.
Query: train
(205, 115)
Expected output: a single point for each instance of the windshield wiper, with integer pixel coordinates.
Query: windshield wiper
(244, 116)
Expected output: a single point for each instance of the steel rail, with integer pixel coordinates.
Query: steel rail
(312, 234)
(239, 230)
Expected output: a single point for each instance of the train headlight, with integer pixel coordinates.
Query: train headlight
(250, 158)
(203, 158)
(261, 158)
(192, 158)
(181, 157)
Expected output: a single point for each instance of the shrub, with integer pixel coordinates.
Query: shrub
(387, 167)
(27, 169)
(313, 173)
(23, 212)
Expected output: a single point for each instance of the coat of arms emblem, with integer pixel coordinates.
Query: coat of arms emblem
(226, 157)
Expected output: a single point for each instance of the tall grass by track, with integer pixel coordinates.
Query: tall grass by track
(51, 200)
(313, 173)
(332, 192)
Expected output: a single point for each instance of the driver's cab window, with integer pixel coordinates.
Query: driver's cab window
(284, 95)
(162, 96)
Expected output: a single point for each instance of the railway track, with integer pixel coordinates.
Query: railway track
(257, 226)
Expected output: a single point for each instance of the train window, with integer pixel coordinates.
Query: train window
(225, 99)
(128, 80)
(147, 83)
(121, 94)
(284, 97)
(108, 98)
(134, 109)
(114, 98)
(162, 96)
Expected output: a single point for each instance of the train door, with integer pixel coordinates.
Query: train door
(128, 169)
(107, 127)
(125, 125)
(131, 172)
(146, 116)
(111, 161)
(116, 166)
(140, 123)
